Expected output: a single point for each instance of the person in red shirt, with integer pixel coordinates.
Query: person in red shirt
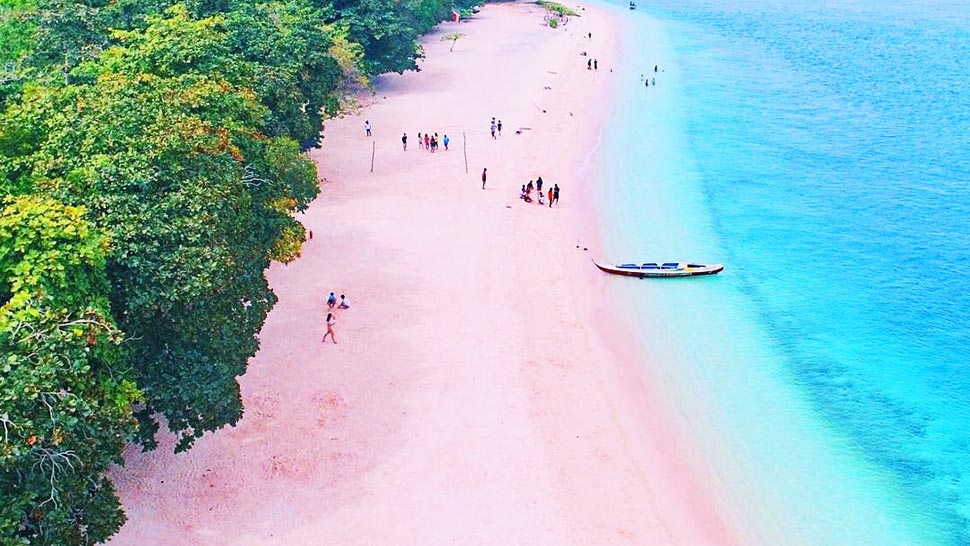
(483, 178)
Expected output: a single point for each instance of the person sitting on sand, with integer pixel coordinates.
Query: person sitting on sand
(331, 321)
(331, 301)
(541, 202)
(344, 302)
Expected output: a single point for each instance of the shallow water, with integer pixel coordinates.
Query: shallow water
(820, 152)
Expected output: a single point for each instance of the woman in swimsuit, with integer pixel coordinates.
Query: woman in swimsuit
(330, 323)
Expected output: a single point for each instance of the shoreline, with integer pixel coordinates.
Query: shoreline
(479, 393)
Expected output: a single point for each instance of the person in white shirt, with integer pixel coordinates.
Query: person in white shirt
(344, 302)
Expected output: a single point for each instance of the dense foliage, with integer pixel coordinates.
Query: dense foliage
(150, 162)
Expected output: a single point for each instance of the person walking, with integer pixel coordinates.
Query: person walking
(331, 321)
(551, 195)
(555, 193)
(427, 142)
(499, 127)
(483, 177)
(367, 127)
(494, 126)
(420, 142)
(445, 141)
(404, 141)
(331, 301)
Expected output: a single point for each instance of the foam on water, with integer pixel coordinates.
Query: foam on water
(820, 153)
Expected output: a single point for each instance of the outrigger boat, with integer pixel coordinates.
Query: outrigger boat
(669, 269)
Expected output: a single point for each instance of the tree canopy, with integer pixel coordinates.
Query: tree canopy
(150, 163)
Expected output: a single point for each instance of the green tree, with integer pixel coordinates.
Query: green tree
(294, 74)
(382, 29)
(65, 399)
(196, 200)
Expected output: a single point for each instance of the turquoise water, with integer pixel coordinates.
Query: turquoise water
(822, 152)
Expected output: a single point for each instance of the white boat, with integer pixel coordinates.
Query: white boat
(668, 269)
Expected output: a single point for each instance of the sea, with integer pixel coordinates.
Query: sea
(821, 151)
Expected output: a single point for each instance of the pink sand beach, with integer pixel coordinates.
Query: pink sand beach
(479, 392)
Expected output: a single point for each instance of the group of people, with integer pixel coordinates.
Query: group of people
(649, 81)
(332, 302)
(552, 194)
(496, 126)
(427, 142)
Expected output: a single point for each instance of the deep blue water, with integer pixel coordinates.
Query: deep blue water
(822, 152)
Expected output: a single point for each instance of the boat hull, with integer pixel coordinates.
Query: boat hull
(639, 273)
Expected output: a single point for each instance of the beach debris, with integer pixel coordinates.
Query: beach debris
(547, 87)
(551, 72)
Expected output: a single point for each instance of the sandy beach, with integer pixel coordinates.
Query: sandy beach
(479, 393)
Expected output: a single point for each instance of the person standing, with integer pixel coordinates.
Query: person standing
(404, 141)
(483, 177)
(445, 141)
(551, 195)
(420, 142)
(367, 127)
(427, 142)
(596, 64)
(499, 127)
(494, 126)
(539, 184)
(589, 64)
(654, 68)
(555, 193)
(331, 321)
